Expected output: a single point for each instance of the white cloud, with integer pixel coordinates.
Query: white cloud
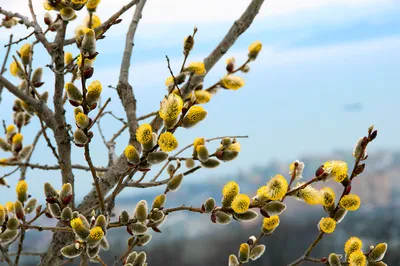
(170, 13)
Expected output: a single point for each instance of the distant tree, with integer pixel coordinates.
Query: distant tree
(82, 228)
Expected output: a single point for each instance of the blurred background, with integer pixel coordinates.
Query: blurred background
(328, 70)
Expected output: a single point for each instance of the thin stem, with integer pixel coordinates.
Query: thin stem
(95, 177)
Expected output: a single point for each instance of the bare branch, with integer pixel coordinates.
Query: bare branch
(41, 108)
(3, 67)
(237, 29)
(124, 89)
(54, 167)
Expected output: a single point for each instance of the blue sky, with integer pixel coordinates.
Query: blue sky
(318, 57)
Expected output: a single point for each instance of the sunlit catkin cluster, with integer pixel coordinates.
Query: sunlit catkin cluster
(354, 255)
(13, 214)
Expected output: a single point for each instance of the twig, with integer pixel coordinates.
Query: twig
(5, 256)
(183, 208)
(187, 53)
(187, 147)
(99, 113)
(3, 68)
(20, 243)
(20, 40)
(46, 137)
(109, 22)
(130, 248)
(95, 177)
(54, 167)
(172, 73)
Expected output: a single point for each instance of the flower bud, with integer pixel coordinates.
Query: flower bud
(195, 115)
(246, 216)
(138, 228)
(202, 153)
(244, 252)
(202, 96)
(124, 217)
(257, 252)
(22, 190)
(334, 260)
(25, 152)
(131, 257)
(233, 261)
(30, 206)
(19, 210)
(101, 222)
(80, 229)
(49, 191)
(93, 92)
(171, 169)
(157, 215)
(227, 155)
(352, 245)
(72, 251)
(25, 53)
(12, 223)
(175, 182)
(16, 145)
(140, 259)
(159, 201)
(4, 145)
(144, 240)
(88, 46)
(209, 205)
(131, 154)
(222, 217)
(378, 252)
(210, 163)
(66, 193)
(232, 82)
(190, 163)
(91, 5)
(82, 120)
(8, 236)
(47, 18)
(140, 212)
(92, 252)
(55, 209)
(229, 192)
(37, 77)
(197, 68)
(188, 44)
(104, 244)
(254, 50)
(74, 94)
(274, 207)
(80, 137)
(66, 214)
(170, 109)
(157, 157)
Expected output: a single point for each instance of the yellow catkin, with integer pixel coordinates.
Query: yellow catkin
(254, 49)
(327, 196)
(130, 153)
(167, 142)
(144, 133)
(350, 202)
(22, 187)
(17, 138)
(96, 233)
(277, 187)
(234, 146)
(327, 225)
(232, 82)
(337, 170)
(202, 96)
(271, 222)
(195, 115)
(240, 203)
(357, 258)
(197, 68)
(352, 245)
(96, 22)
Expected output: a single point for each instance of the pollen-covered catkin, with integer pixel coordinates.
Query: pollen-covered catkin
(276, 188)
(350, 202)
(229, 192)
